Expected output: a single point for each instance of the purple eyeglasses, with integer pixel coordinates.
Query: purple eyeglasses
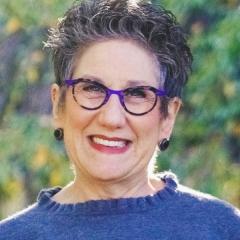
(92, 95)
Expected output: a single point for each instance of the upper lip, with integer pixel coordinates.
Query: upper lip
(110, 138)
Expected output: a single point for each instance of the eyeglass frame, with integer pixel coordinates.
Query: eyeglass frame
(109, 92)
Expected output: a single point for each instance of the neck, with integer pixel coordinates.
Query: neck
(82, 189)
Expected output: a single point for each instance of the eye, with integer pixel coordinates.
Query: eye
(137, 92)
(89, 88)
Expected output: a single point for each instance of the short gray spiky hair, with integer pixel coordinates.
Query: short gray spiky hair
(152, 27)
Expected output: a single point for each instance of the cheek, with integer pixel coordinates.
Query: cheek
(148, 126)
(76, 118)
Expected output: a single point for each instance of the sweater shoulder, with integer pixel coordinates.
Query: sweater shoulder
(196, 196)
(214, 210)
(200, 199)
(21, 225)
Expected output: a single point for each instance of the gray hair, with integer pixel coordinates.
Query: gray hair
(151, 26)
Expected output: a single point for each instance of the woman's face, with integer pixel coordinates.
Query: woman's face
(110, 144)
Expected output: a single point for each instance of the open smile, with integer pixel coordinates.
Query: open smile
(109, 145)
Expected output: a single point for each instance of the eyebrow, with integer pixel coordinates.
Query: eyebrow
(130, 83)
(93, 78)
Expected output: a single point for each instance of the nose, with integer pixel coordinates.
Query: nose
(112, 115)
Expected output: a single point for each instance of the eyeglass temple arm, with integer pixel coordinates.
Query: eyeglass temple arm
(161, 93)
(71, 82)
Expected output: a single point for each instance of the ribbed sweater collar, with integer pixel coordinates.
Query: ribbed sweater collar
(112, 206)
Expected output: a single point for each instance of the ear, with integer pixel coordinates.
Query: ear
(56, 112)
(167, 123)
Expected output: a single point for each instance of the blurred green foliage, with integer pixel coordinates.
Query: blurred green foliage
(205, 147)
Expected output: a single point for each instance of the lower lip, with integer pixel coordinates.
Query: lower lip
(109, 150)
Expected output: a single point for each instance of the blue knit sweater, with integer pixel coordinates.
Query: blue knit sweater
(175, 212)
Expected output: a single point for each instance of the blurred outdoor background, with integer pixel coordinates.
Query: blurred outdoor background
(205, 148)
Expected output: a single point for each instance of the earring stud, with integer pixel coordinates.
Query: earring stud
(163, 145)
(58, 134)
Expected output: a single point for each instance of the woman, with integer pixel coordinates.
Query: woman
(120, 67)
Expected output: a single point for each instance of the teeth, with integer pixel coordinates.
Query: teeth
(108, 143)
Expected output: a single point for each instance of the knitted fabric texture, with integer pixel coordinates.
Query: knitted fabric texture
(176, 212)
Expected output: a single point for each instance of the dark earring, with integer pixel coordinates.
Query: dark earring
(163, 145)
(58, 134)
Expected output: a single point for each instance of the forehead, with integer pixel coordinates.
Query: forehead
(117, 63)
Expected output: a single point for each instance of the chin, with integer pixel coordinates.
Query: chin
(109, 174)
